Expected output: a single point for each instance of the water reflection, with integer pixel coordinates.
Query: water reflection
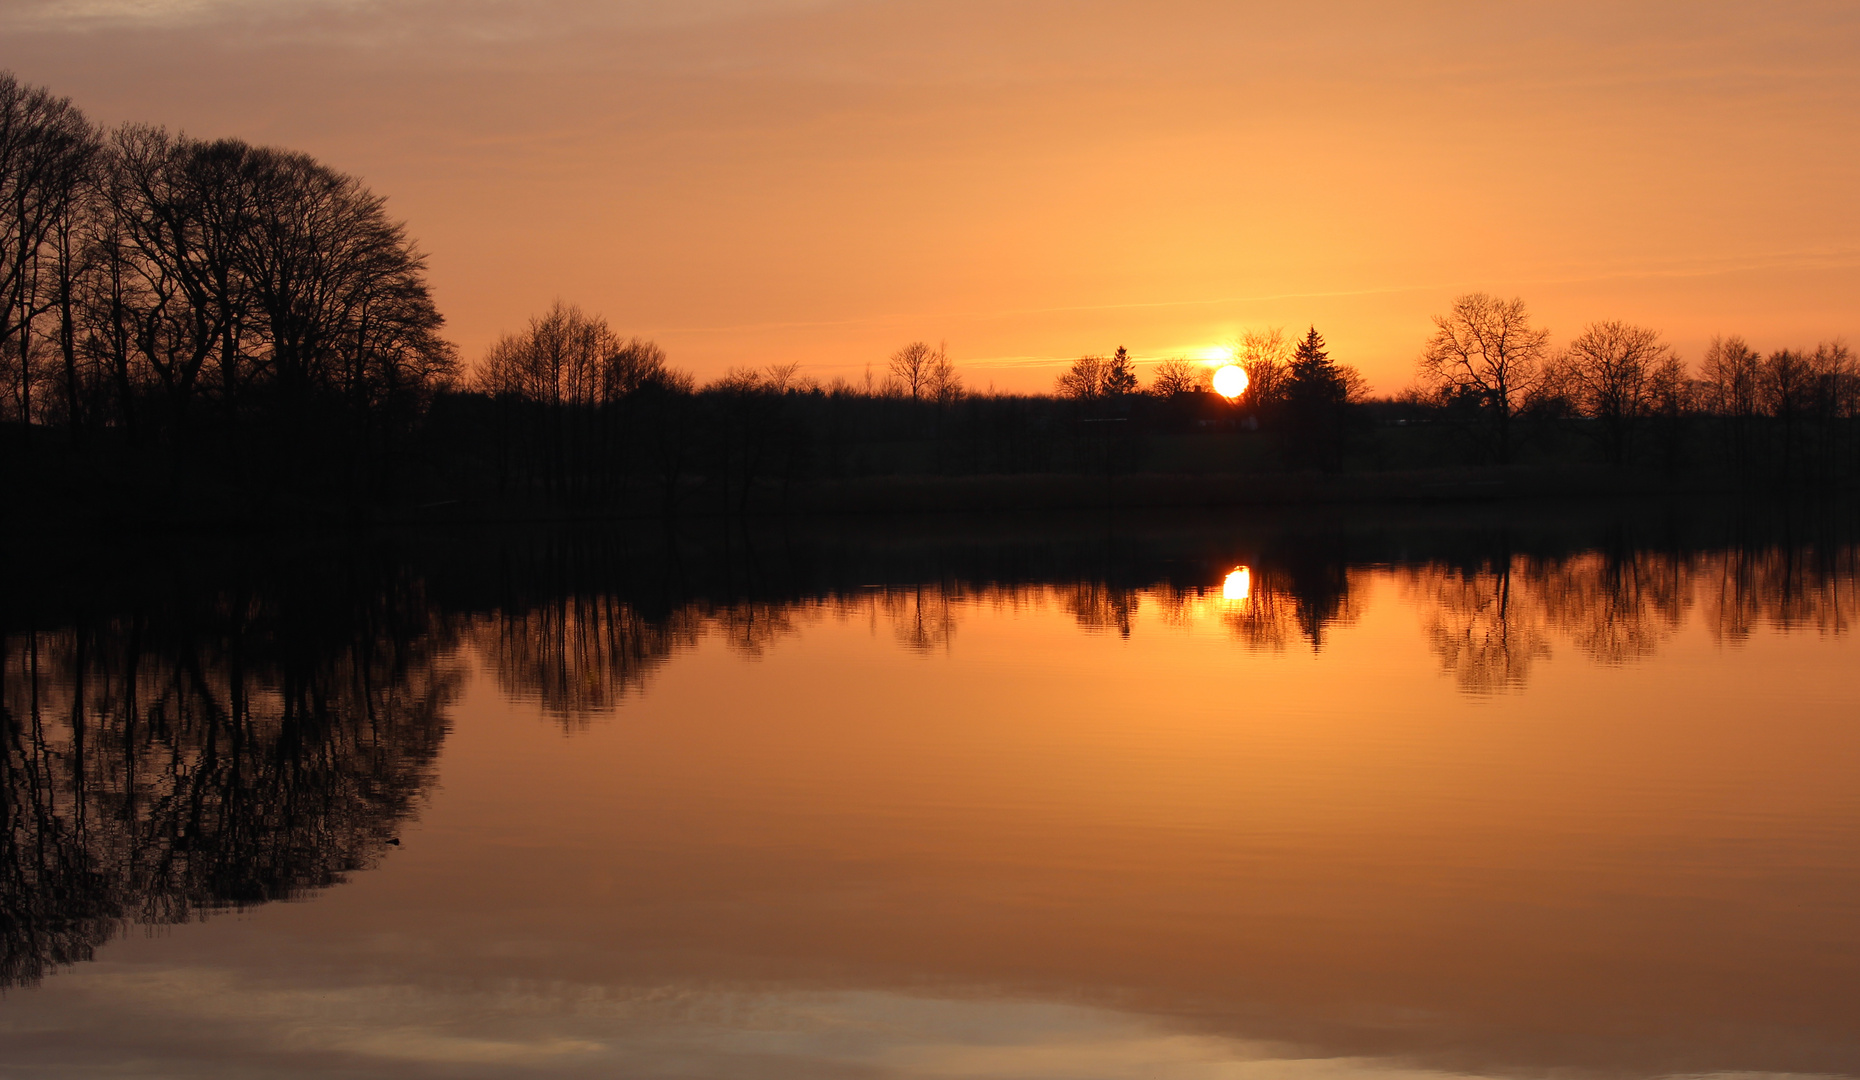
(1489, 622)
(1006, 743)
(1786, 587)
(580, 655)
(163, 763)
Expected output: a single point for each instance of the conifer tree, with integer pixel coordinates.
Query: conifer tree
(1119, 378)
(1315, 379)
(1316, 396)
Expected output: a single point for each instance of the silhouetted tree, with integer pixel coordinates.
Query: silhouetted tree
(1083, 380)
(1317, 392)
(1673, 401)
(1175, 377)
(1612, 373)
(1118, 378)
(1266, 357)
(1485, 353)
(566, 390)
(1836, 408)
(47, 150)
(1095, 378)
(237, 313)
(1785, 390)
(920, 368)
(943, 383)
(1729, 378)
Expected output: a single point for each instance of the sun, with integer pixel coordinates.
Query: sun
(1238, 585)
(1230, 381)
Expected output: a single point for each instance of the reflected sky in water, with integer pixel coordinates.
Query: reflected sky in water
(1411, 806)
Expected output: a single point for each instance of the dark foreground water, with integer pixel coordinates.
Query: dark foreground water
(1517, 793)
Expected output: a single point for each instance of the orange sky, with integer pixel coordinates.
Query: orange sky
(755, 181)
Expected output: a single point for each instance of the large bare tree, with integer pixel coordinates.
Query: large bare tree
(46, 151)
(1083, 380)
(922, 369)
(1176, 376)
(1486, 352)
(1266, 356)
(1613, 373)
(560, 385)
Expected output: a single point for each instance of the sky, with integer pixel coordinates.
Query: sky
(752, 182)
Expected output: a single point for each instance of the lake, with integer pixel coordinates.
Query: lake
(1496, 792)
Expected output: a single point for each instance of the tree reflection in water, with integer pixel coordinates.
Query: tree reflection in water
(1480, 623)
(1490, 623)
(1789, 588)
(169, 758)
(1488, 620)
(923, 617)
(579, 655)
(164, 764)
(1099, 606)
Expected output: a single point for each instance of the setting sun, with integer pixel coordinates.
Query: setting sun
(1239, 584)
(1230, 381)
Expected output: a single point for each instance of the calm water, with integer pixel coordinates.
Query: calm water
(1514, 795)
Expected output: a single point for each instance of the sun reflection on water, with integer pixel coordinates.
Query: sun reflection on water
(1239, 584)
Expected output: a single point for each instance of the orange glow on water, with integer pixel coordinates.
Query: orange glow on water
(818, 803)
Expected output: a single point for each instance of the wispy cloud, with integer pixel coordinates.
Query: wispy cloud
(469, 18)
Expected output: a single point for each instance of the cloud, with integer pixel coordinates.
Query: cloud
(462, 18)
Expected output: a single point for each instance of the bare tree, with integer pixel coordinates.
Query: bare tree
(1265, 356)
(942, 383)
(46, 151)
(781, 378)
(1609, 373)
(1786, 383)
(265, 282)
(178, 293)
(1729, 376)
(1837, 402)
(562, 386)
(1837, 380)
(1728, 382)
(1083, 380)
(631, 366)
(914, 365)
(569, 357)
(1093, 377)
(1176, 376)
(1485, 352)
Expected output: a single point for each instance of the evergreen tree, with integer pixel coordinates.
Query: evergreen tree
(1315, 380)
(1119, 377)
(1316, 395)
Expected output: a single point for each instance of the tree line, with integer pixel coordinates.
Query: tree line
(1792, 415)
(209, 321)
(203, 308)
